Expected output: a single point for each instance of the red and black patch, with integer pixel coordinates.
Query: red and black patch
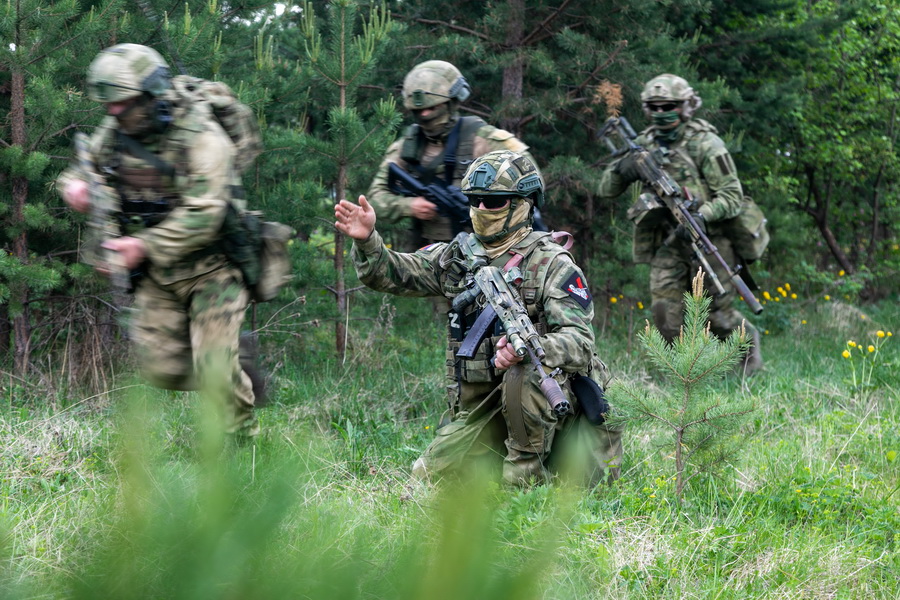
(576, 287)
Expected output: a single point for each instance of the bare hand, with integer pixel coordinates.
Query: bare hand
(130, 251)
(422, 209)
(505, 355)
(356, 221)
(75, 194)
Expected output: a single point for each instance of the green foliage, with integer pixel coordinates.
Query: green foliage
(702, 424)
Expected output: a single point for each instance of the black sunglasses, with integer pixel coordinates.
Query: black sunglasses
(664, 107)
(490, 202)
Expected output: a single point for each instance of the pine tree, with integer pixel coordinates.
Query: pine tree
(701, 421)
(335, 147)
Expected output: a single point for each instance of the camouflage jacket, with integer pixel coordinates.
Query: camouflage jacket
(554, 290)
(392, 208)
(699, 161)
(183, 244)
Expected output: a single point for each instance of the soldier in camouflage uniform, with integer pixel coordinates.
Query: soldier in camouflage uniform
(696, 158)
(171, 166)
(497, 412)
(440, 144)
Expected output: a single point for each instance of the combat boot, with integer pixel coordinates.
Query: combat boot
(249, 359)
(753, 360)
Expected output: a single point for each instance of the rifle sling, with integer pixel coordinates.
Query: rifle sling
(477, 333)
(136, 149)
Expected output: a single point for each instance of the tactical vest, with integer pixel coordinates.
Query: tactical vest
(537, 252)
(652, 221)
(679, 161)
(449, 165)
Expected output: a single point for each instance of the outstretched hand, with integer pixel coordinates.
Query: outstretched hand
(356, 221)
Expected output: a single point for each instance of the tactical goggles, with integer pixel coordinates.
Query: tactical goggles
(489, 202)
(664, 106)
(105, 91)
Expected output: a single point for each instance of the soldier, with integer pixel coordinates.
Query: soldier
(171, 166)
(439, 145)
(696, 158)
(496, 406)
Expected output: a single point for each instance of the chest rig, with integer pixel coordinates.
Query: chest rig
(679, 158)
(532, 257)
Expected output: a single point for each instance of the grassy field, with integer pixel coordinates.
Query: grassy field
(131, 495)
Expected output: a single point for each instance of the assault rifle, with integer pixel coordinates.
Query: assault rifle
(679, 202)
(449, 200)
(505, 304)
(102, 218)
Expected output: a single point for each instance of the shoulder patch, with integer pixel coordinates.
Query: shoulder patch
(576, 287)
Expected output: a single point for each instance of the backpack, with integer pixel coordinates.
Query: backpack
(235, 117)
(258, 248)
(747, 231)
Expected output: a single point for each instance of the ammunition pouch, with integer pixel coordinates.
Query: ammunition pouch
(259, 250)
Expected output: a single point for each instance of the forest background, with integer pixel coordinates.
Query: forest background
(805, 94)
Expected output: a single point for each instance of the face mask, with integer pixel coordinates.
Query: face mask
(665, 120)
(438, 121)
(488, 224)
(135, 120)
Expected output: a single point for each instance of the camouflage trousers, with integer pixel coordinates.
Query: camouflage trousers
(510, 430)
(186, 336)
(671, 270)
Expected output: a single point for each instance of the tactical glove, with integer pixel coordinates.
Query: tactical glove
(627, 168)
(682, 232)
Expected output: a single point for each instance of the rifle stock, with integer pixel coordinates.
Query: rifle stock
(678, 200)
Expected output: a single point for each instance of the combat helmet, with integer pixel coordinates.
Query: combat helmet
(671, 88)
(503, 173)
(434, 82)
(495, 178)
(124, 71)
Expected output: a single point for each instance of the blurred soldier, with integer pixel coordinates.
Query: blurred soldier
(438, 146)
(497, 411)
(696, 158)
(170, 168)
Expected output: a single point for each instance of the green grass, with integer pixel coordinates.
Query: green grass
(129, 496)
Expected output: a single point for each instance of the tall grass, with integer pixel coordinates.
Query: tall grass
(139, 497)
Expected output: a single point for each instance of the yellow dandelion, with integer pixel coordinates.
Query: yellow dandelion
(827, 297)
(793, 296)
(428, 427)
(767, 295)
(879, 333)
(863, 317)
(787, 286)
(889, 334)
(780, 289)
(851, 343)
(896, 246)
(766, 332)
(841, 273)
(871, 348)
(777, 299)
(640, 305)
(621, 295)
(613, 300)
(845, 354)
(803, 322)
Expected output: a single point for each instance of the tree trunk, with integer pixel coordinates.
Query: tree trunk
(819, 214)
(514, 74)
(340, 288)
(19, 293)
